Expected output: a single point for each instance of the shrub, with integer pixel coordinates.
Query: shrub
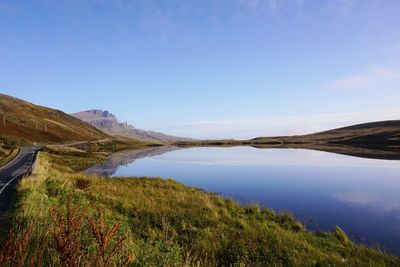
(82, 184)
(66, 232)
(108, 242)
(15, 249)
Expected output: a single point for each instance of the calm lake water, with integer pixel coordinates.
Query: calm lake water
(322, 189)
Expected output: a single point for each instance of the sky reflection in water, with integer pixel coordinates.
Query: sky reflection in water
(323, 189)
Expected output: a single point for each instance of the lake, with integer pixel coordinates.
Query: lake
(321, 189)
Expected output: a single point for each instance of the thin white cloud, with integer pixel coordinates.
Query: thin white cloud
(341, 7)
(392, 50)
(377, 79)
(156, 22)
(250, 128)
(271, 5)
(383, 202)
(260, 4)
(346, 6)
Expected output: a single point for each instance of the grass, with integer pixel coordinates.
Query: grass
(374, 134)
(75, 159)
(157, 222)
(7, 155)
(24, 122)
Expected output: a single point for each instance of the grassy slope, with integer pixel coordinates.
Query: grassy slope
(379, 140)
(7, 155)
(169, 224)
(26, 122)
(378, 133)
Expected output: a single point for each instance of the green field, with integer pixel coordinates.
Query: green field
(64, 217)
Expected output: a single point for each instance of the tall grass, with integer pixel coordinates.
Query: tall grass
(7, 155)
(157, 222)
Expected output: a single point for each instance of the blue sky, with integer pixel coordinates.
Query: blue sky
(209, 68)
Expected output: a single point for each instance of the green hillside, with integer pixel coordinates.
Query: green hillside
(385, 133)
(23, 122)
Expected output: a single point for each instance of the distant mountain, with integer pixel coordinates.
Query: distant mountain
(23, 122)
(108, 123)
(380, 140)
(367, 134)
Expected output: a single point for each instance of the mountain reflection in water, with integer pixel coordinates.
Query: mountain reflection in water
(114, 161)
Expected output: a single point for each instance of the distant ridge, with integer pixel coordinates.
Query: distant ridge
(22, 122)
(108, 123)
(378, 140)
(365, 134)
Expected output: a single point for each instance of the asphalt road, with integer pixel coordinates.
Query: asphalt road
(9, 176)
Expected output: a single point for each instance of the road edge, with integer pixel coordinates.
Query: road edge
(11, 161)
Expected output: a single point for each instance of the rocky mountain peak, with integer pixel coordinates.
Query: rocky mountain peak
(100, 114)
(107, 122)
